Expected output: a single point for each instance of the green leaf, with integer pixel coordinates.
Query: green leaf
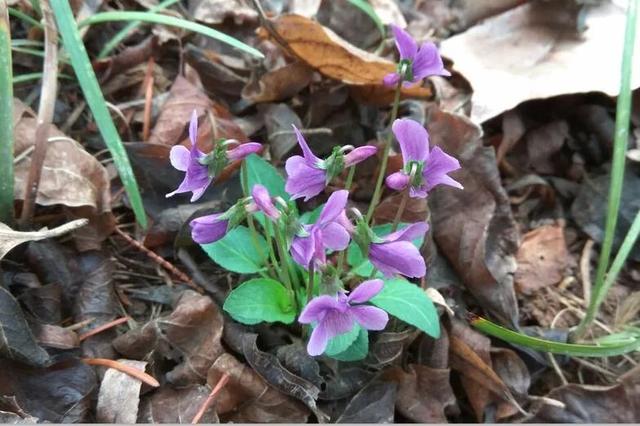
(341, 342)
(258, 300)
(357, 350)
(409, 303)
(361, 265)
(311, 217)
(158, 18)
(93, 95)
(262, 172)
(236, 252)
(6, 119)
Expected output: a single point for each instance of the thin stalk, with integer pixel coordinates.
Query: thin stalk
(385, 155)
(623, 114)
(310, 284)
(124, 32)
(23, 78)
(272, 255)
(282, 251)
(48, 95)
(6, 118)
(347, 186)
(245, 188)
(403, 205)
(26, 18)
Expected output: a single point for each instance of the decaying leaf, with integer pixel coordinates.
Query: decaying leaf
(278, 84)
(373, 404)
(70, 175)
(542, 259)
(215, 11)
(10, 238)
(169, 405)
(543, 56)
(474, 227)
(119, 395)
(335, 58)
(16, 340)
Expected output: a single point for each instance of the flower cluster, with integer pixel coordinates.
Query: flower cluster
(307, 257)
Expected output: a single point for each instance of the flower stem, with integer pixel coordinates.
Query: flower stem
(403, 204)
(385, 155)
(272, 255)
(352, 172)
(282, 251)
(310, 284)
(245, 189)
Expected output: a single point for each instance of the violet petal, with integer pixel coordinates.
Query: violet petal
(316, 309)
(370, 317)
(406, 45)
(243, 150)
(365, 291)
(397, 257)
(208, 229)
(413, 139)
(359, 154)
(397, 181)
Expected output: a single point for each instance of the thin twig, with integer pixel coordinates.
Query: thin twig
(268, 25)
(102, 328)
(207, 403)
(585, 270)
(148, 98)
(45, 113)
(168, 266)
(123, 368)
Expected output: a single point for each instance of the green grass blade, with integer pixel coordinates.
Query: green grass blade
(86, 77)
(123, 33)
(364, 6)
(157, 18)
(24, 78)
(26, 18)
(620, 347)
(6, 118)
(621, 138)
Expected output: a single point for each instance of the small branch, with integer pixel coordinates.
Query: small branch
(45, 113)
(133, 372)
(102, 328)
(207, 403)
(160, 261)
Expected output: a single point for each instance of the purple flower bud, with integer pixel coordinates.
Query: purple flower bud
(196, 179)
(208, 229)
(359, 154)
(328, 232)
(432, 167)
(397, 255)
(263, 202)
(243, 150)
(335, 315)
(423, 62)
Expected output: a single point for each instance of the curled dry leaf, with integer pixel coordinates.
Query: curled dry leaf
(10, 238)
(70, 175)
(119, 395)
(542, 259)
(333, 57)
(190, 336)
(424, 393)
(474, 227)
(542, 57)
(248, 398)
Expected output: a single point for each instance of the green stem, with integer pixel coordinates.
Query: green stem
(6, 118)
(623, 114)
(310, 284)
(245, 189)
(282, 250)
(26, 18)
(272, 255)
(377, 193)
(403, 204)
(347, 186)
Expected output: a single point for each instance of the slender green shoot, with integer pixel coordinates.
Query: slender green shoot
(6, 118)
(26, 43)
(366, 7)
(34, 52)
(24, 78)
(620, 346)
(623, 114)
(124, 32)
(157, 18)
(88, 82)
(26, 18)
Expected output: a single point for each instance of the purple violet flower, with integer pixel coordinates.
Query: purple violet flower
(210, 228)
(262, 201)
(201, 168)
(335, 315)
(429, 168)
(329, 232)
(397, 255)
(307, 175)
(419, 62)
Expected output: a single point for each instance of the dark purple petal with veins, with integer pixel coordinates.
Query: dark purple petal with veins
(302, 179)
(428, 62)
(208, 229)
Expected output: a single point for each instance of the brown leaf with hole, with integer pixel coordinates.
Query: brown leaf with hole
(119, 395)
(424, 393)
(278, 84)
(474, 227)
(542, 259)
(333, 57)
(247, 398)
(70, 175)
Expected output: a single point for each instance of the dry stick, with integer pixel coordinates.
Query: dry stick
(102, 328)
(45, 113)
(148, 97)
(207, 403)
(160, 261)
(268, 25)
(133, 372)
(585, 271)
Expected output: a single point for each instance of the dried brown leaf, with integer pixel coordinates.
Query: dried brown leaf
(279, 84)
(10, 238)
(119, 395)
(169, 405)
